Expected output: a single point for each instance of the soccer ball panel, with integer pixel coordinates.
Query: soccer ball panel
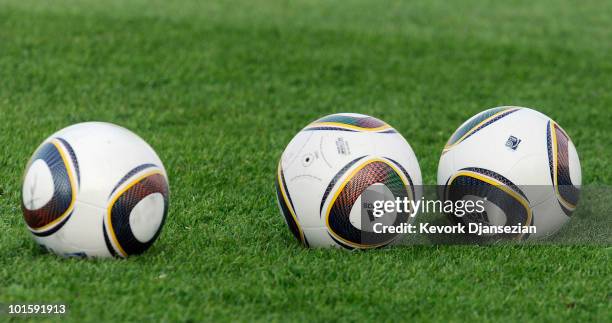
(532, 174)
(80, 236)
(121, 209)
(491, 147)
(38, 185)
(320, 238)
(45, 219)
(574, 165)
(446, 167)
(146, 217)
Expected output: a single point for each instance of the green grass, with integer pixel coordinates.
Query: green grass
(220, 89)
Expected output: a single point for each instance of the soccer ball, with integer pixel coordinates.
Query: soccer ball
(518, 159)
(329, 165)
(95, 190)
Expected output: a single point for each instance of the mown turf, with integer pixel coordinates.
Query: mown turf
(219, 90)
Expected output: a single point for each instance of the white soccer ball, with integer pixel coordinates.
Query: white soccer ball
(95, 190)
(326, 168)
(522, 161)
